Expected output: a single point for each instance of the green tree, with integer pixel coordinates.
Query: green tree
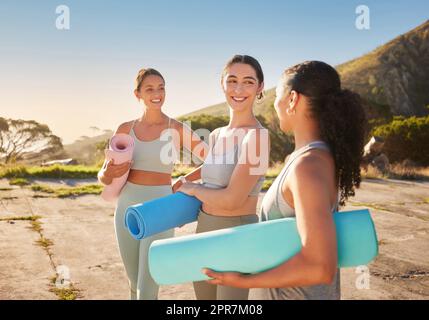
(20, 136)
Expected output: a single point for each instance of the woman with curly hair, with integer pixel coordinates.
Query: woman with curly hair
(328, 124)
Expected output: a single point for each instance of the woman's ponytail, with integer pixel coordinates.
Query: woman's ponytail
(342, 123)
(340, 115)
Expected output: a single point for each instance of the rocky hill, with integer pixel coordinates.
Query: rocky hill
(393, 78)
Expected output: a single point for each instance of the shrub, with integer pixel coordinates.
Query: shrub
(406, 138)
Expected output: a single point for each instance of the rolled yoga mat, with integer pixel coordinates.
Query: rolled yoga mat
(256, 247)
(161, 214)
(121, 147)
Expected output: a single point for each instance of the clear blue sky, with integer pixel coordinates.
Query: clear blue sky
(83, 77)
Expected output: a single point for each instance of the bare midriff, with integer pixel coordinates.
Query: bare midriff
(149, 178)
(249, 207)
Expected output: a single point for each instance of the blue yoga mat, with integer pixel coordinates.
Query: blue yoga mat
(161, 214)
(256, 247)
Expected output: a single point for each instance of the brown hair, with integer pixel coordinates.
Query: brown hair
(143, 74)
(245, 59)
(340, 115)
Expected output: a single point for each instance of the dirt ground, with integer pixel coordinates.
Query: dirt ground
(78, 233)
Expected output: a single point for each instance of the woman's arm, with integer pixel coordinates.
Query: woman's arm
(191, 176)
(244, 177)
(192, 142)
(100, 175)
(316, 263)
(194, 174)
(197, 146)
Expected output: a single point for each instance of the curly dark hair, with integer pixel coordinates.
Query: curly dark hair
(340, 115)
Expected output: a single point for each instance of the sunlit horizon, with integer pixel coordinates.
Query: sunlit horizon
(72, 80)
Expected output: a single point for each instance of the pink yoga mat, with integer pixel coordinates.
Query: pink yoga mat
(121, 147)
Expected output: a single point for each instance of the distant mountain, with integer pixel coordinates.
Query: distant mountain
(395, 74)
(84, 150)
(393, 79)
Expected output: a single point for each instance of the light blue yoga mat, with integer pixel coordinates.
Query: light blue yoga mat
(256, 247)
(161, 214)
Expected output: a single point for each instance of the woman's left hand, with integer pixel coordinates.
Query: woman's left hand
(188, 188)
(230, 279)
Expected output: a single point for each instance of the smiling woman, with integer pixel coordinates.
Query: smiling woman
(154, 88)
(253, 81)
(232, 179)
(149, 175)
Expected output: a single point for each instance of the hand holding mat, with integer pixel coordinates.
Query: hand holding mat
(121, 147)
(255, 248)
(161, 214)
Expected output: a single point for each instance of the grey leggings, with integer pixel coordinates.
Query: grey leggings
(207, 291)
(134, 253)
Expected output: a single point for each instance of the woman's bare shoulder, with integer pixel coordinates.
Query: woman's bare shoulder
(124, 127)
(314, 164)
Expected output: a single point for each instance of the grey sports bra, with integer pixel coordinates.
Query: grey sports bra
(156, 155)
(217, 170)
(274, 206)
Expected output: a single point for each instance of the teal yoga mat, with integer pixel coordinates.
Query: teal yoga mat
(161, 214)
(256, 247)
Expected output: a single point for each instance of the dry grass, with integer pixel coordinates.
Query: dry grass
(44, 242)
(19, 182)
(397, 171)
(18, 173)
(54, 172)
(36, 226)
(20, 218)
(372, 173)
(64, 293)
(63, 192)
(375, 206)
